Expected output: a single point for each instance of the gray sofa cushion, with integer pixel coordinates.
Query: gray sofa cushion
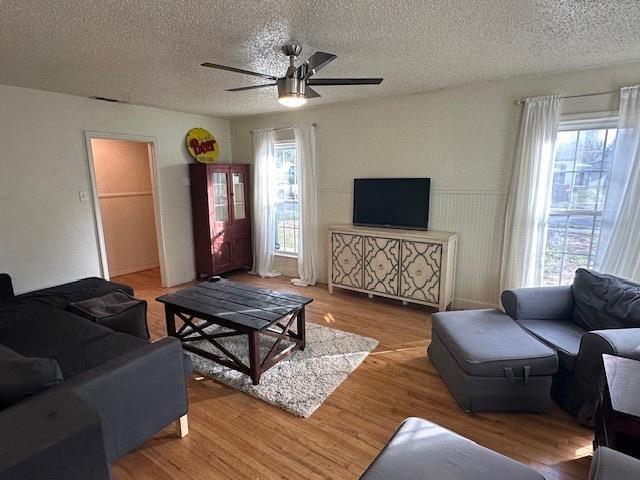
(61, 296)
(485, 342)
(423, 450)
(21, 377)
(604, 301)
(43, 332)
(564, 337)
(96, 352)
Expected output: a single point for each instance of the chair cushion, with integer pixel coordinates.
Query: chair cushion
(485, 342)
(423, 450)
(561, 335)
(604, 301)
(24, 376)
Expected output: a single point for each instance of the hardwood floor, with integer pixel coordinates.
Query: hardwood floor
(234, 436)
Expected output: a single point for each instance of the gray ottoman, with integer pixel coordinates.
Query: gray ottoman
(491, 363)
(423, 450)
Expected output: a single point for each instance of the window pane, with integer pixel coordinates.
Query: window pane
(556, 233)
(552, 265)
(239, 211)
(590, 149)
(608, 151)
(287, 211)
(561, 194)
(220, 196)
(579, 231)
(566, 149)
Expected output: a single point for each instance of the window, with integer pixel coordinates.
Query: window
(287, 206)
(582, 167)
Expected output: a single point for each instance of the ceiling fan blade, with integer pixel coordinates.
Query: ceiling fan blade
(252, 87)
(318, 60)
(311, 93)
(238, 70)
(344, 81)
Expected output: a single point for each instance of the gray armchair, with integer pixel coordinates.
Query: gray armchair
(608, 464)
(556, 316)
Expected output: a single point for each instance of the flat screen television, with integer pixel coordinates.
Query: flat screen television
(391, 202)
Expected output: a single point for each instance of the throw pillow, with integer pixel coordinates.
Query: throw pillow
(604, 301)
(25, 376)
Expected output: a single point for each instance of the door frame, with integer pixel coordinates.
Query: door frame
(95, 201)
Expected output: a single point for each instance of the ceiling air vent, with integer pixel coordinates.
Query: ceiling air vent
(110, 100)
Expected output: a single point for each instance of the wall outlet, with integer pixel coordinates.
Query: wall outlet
(84, 196)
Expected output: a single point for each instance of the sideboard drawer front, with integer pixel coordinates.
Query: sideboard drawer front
(381, 264)
(346, 259)
(420, 271)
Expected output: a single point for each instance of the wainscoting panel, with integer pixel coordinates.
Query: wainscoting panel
(478, 218)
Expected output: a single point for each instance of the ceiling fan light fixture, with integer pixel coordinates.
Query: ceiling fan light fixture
(292, 100)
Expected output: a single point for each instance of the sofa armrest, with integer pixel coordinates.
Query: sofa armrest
(52, 435)
(609, 464)
(589, 367)
(136, 394)
(539, 303)
(6, 288)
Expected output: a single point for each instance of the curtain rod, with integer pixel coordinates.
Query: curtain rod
(285, 128)
(520, 101)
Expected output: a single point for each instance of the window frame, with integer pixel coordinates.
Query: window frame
(578, 122)
(283, 144)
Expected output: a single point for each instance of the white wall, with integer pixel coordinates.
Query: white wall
(46, 234)
(463, 139)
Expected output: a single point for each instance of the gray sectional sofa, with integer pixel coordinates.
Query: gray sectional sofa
(547, 343)
(421, 450)
(75, 395)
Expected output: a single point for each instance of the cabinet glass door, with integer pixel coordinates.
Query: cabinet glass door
(220, 197)
(239, 198)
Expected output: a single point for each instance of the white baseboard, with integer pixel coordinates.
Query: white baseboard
(468, 304)
(138, 268)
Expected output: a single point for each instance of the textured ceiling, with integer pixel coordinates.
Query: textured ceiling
(149, 52)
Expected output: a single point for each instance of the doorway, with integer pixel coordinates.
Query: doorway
(125, 204)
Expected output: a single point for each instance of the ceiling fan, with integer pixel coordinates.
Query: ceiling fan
(295, 87)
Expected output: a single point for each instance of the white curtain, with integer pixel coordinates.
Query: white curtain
(308, 197)
(530, 193)
(264, 203)
(620, 237)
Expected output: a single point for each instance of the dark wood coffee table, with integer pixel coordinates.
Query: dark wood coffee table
(243, 309)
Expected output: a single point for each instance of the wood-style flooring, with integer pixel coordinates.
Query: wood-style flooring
(234, 436)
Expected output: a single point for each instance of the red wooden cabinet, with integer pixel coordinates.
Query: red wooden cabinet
(220, 203)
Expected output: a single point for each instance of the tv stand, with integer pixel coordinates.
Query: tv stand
(408, 265)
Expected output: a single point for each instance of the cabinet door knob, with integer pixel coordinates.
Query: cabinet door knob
(380, 266)
(418, 273)
(345, 261)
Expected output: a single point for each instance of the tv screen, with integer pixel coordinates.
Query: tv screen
(391, 202)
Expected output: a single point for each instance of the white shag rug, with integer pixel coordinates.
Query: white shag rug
(304, 380)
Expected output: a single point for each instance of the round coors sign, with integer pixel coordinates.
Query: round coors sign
(202, 145)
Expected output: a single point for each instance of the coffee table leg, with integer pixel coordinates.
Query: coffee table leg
(170, 320)
(301, 329)
(254, 357)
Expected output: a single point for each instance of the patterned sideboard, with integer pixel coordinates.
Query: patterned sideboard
(412, 266)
